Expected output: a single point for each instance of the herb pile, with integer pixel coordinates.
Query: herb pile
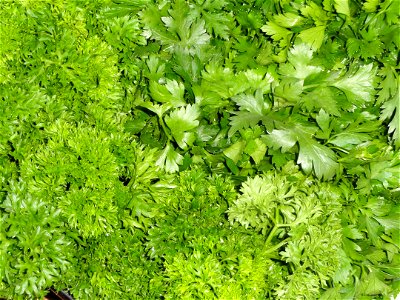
(202, 149)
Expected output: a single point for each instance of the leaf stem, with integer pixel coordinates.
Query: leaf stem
(310, 86)
(271, 234)
(162, 124)
(277, 246)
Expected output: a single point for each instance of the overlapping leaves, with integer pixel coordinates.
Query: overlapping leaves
(199, 149)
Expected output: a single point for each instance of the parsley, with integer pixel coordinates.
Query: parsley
(200, 149)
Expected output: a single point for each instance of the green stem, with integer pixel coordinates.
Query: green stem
(271, 235)
(284, 225)
(310, 86)
(339, 149)
(161, 121)
(277, 246)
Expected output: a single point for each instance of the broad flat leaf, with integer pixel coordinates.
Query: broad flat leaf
(181, 30)
(218, 24)
(156, 68)
(365, 47)
(347, 139)
(323, 120)
(377, 256)
(342, 274)
(387, 172)
(289, 89)
(256, 149)
(299, 66)
(259, 80)
(354, 47)
(352, 249)
(374, 230)
(235, 151)
(251, 110)
(316, 12)
(389, 85)
(172, 92)
(275, 31)
(155, 27)
(242, 119)
(169, 159)
(178, 20)
(342, 7)
(312, 155)
(357, 85)
(181, 122)
(373, 285)
(322, 97)
(288, 20)
(391, 111)
(284, 139)
(197, 35)
(371, 5)
(352, 232)
(390, 222)
(313, 36)
(223, 81)
(254, 104)
(331, 293)
(158, 109)
(355, 130)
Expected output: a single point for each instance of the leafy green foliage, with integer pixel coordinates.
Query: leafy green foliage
(295, 222)
(34, 248)
(200, 149)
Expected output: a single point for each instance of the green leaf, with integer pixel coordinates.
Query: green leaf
(346, 140)
(289, 89)
(391, 111)
(389, 85)
(342, 7)
(282, 139)
(232, 166)
(218, 24)
(322, 97)
(300, 66)
(256, 149)
(158, 109)
(234, 152)
(331, 293)
(177, 30)
(371, 5)
(323, 120)
(223, 81)
(357, 85)
(373, 285)
(352, 232)
(343, 273)
(182, 122)
(288, 20)
(357, 129)
(390, 222)
(312, 155)
(169, 159)
(251, 110)
(316, 13)
(276, 32)
(172, 92)
(201, 210)
(313, 36)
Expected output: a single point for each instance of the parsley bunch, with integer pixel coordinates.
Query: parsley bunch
(200, 149)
